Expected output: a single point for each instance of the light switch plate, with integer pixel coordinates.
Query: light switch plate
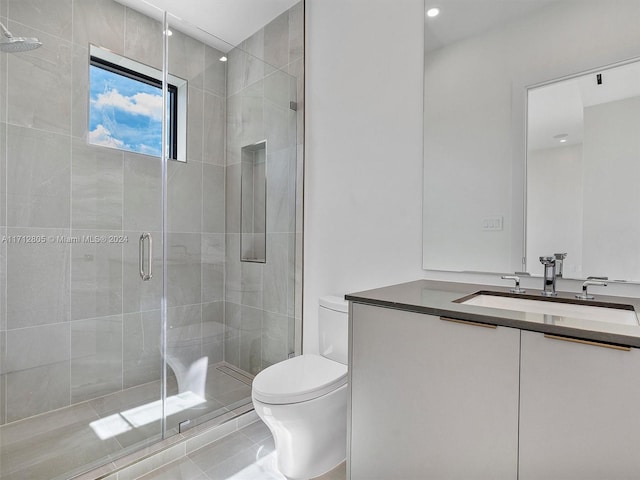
(492, 224)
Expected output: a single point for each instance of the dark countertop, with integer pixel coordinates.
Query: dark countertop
(438, 298)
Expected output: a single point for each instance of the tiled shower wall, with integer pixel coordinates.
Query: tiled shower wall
(75, 320)
(262, 300)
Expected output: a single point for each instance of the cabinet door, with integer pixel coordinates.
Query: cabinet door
(432, 399)
(579, 411)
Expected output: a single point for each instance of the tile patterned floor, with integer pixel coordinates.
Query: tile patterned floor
(247, 454)
(50, 445)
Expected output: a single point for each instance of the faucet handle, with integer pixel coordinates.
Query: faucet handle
(516, 278)
(560, 256)
(597, 278)
(585, 295)
(548, 260)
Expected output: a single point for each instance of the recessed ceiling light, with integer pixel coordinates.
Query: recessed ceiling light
(433, 12)
(563, 140)
(223, 58)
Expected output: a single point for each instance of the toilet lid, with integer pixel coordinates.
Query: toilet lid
(298, 379)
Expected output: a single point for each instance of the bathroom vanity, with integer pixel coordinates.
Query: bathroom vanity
(441, 389)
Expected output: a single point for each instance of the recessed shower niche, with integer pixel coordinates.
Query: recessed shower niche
(253, 238)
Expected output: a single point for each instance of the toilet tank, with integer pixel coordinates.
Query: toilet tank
(333, 325)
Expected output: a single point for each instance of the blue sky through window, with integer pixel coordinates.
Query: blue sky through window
(124, 113)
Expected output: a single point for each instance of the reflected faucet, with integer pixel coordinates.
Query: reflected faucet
(559, 262)
(549, 289)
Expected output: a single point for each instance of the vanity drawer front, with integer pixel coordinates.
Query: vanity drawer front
(578, 410)
(432, 398)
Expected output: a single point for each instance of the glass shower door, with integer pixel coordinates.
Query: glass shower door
(231, 253)
(80, 238)
(195, 233)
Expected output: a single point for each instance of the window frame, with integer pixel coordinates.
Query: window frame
(176, 89)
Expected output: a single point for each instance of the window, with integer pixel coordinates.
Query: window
(125, 106)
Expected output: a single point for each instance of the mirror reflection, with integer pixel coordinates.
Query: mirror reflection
(583, 172)
(482, 58)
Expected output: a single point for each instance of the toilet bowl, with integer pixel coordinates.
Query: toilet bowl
(303, 400)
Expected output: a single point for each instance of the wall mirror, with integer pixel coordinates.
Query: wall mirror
(583, 172)
(491, 204)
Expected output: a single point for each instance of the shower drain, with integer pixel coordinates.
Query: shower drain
(239, 375)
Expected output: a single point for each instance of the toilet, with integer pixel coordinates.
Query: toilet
(303, 400)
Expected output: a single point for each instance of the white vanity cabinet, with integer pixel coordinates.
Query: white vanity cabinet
(579, 411)
(430, 398)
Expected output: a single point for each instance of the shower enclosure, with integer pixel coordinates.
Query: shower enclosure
(150, 227)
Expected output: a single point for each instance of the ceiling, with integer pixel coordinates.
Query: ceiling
(554, 109)
(219, 23)
(461, 19)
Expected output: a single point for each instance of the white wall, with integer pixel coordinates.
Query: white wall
(363, 172)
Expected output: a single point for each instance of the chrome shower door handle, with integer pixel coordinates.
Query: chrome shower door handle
(144, 275)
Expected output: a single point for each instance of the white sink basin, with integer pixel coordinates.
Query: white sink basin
(586, 312)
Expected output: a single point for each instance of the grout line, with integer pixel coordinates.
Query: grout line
(70, 249)
(122, 273)
(202, 206)
(124, 29)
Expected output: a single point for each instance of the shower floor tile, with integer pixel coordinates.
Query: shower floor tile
(248, 454)
(59, 439)
(53, 444)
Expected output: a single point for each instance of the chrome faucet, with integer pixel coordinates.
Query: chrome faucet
(549, 289)
(516, 279)
(559, 262)
(585, 295)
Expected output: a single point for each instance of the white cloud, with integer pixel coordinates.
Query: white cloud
(148, 150)
(138, 104)
(101, 136)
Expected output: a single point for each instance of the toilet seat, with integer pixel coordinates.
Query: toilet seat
(298, 379)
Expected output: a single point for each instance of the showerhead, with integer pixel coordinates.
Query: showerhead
(18, 44)
(11, 44)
